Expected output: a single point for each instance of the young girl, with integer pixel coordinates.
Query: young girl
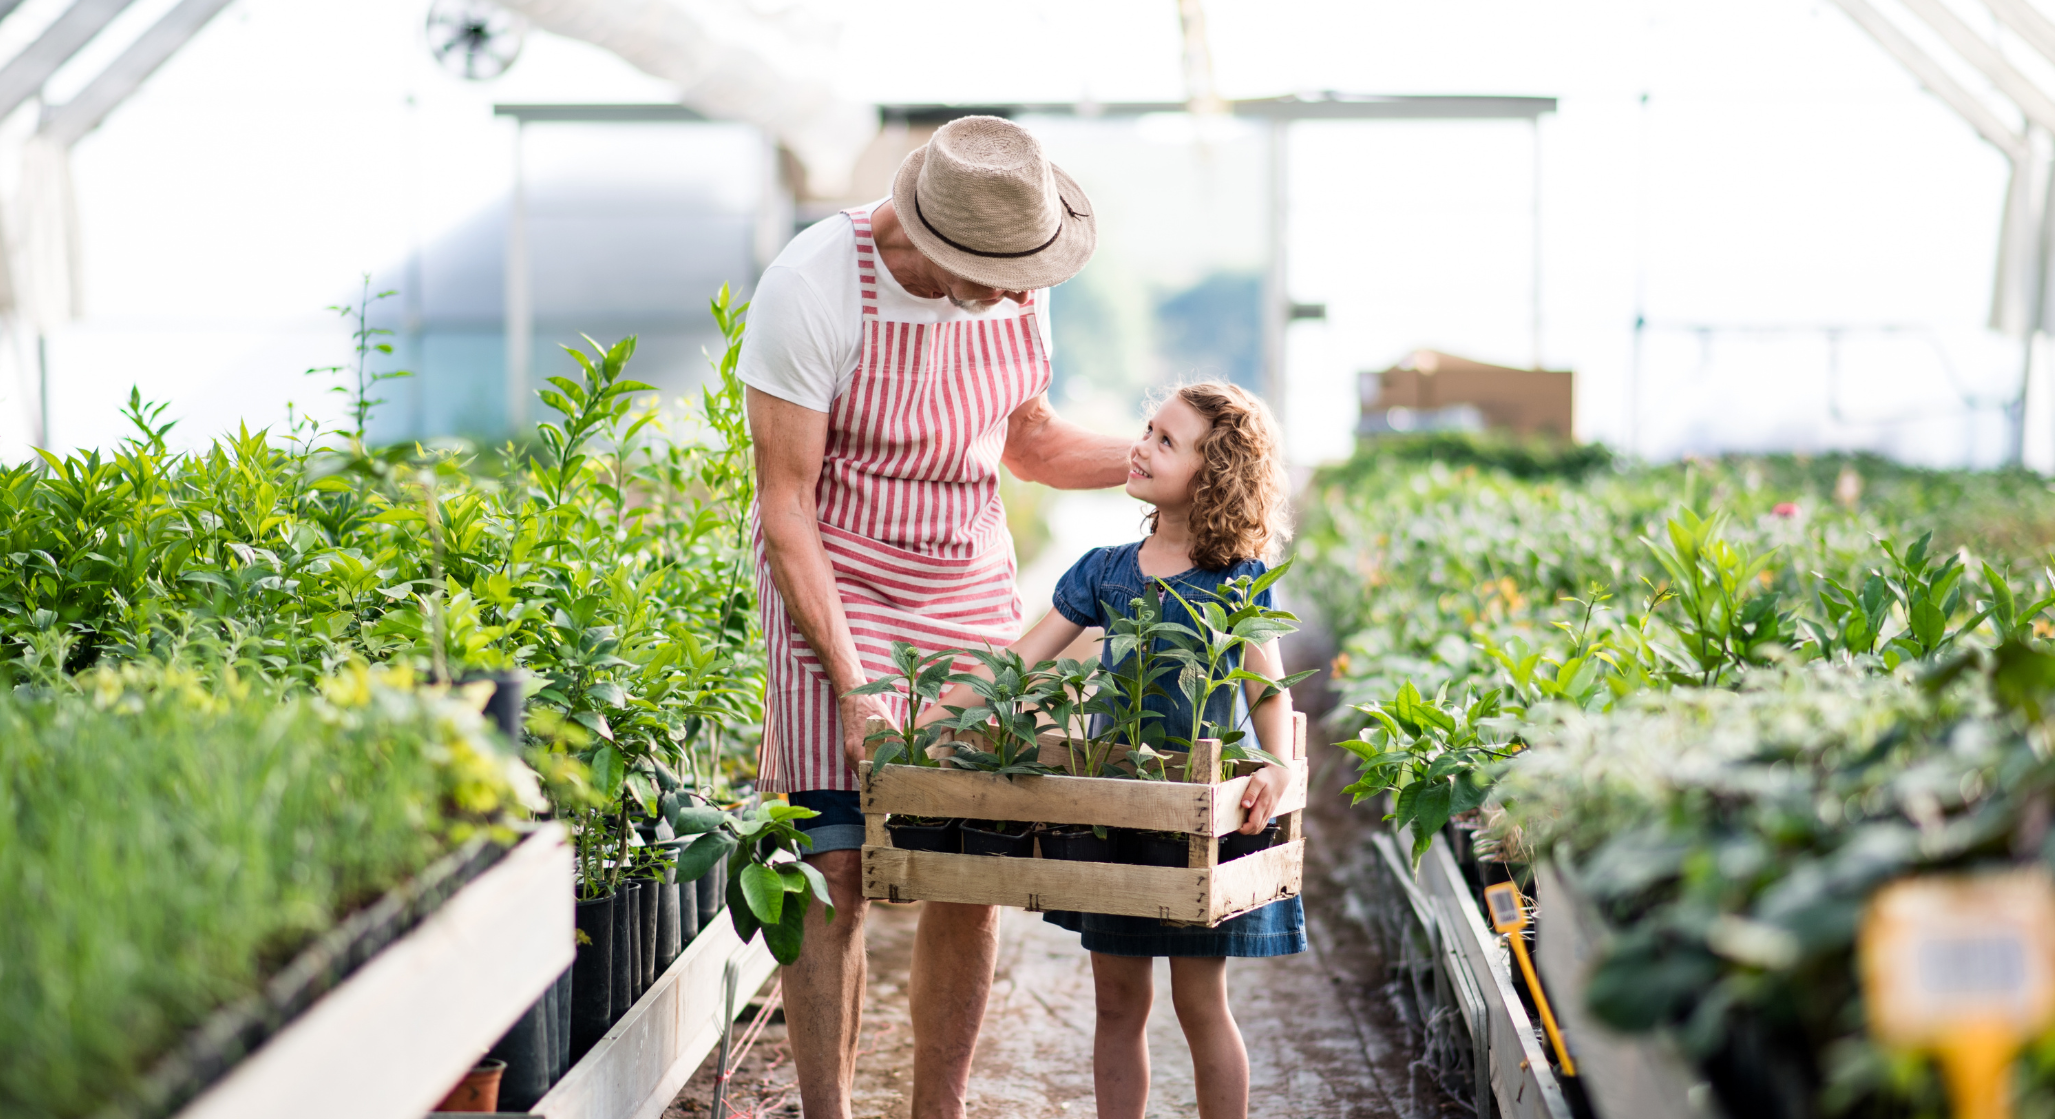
(1210, 464)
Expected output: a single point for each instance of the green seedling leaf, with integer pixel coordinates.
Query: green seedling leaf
(764, 891)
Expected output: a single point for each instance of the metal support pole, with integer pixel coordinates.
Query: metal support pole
(729, 977)
(1536, 311)
(42, 391)
(1276, 293)
(520, 307)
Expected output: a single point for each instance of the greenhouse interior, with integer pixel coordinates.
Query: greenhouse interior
(589, 559)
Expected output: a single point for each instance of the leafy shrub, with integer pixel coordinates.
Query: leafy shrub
(608, 557)
(1730, 698)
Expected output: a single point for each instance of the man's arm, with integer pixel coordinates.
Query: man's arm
(790, 443)
(1042, 446)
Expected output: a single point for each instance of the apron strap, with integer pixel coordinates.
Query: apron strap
(866, 261)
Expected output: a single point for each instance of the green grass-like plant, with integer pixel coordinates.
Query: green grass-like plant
(167, 841)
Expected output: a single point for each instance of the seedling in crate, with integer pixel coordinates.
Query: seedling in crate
(1213, 658)
(919, 681)
(1010, 717)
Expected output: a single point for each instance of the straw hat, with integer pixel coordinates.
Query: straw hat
(982, 201)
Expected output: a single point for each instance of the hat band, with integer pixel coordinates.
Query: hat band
(980, 252)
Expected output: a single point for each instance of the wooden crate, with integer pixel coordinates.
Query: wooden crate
(1203, 892)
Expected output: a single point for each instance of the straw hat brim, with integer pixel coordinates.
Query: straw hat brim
(1063, 258)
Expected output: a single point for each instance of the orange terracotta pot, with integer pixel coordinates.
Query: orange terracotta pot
(478, 1091)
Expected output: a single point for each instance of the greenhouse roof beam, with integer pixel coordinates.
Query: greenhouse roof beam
(1936, 79)
(65, 124)
(25, 73)
(2026, 22)
(1329, 106)
(1980, 53)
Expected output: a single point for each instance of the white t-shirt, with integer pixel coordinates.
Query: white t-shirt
(805, 331)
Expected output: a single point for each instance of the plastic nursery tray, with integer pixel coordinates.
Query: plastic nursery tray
(1202, 892)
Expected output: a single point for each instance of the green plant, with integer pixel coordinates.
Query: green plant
(919, 683)
(1009, 718)
(1212, 654)
(1437, 757)
(167, 841)
(769, 888)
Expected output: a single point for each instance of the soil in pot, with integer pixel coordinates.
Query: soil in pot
(592, 977)
(1235, 845)
(1151, 848)
(478, 1091)
(668, 941)
(1009, 838)
(626, 952)
(916, 833)
(1076, 843)
(646, 903)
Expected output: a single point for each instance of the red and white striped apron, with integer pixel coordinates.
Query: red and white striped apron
(909, 512)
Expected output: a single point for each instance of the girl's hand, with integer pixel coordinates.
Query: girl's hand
(1266, 788)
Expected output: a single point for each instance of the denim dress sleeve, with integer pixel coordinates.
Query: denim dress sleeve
(1077, 593)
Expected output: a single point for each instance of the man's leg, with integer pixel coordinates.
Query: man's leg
(953, 954)
(824, 991)
(824, 988)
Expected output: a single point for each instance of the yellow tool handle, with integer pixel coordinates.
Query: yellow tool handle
(1548, 1017)
(1977, 1063)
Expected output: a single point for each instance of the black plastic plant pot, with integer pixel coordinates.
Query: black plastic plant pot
(1235, 845)
(910, 836)
(980, 838)
(646, 903)
(1077, 845)
(688, 910)
(668, 941)
(527, 1051)
(707, 891)
(592, 976)
(1151, 848)
(563, 1034)
(626, 952)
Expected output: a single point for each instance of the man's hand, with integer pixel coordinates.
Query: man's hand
(857, 711)
(1260, 802)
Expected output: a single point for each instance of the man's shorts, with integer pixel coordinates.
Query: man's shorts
(839, 827)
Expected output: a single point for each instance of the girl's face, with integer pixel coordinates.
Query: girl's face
(1163, 462)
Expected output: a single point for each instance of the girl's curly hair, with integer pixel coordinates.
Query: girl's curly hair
(1241, 498)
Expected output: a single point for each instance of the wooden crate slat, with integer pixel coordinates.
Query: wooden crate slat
(906, 790)
(1167, 893)
(1172, 893)
(1254, 881)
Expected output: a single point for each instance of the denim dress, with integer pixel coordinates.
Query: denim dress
(1096, 590)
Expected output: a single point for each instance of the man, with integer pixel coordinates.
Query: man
(897, 355)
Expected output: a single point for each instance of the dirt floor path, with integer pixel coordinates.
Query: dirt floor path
(1323, 1043)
